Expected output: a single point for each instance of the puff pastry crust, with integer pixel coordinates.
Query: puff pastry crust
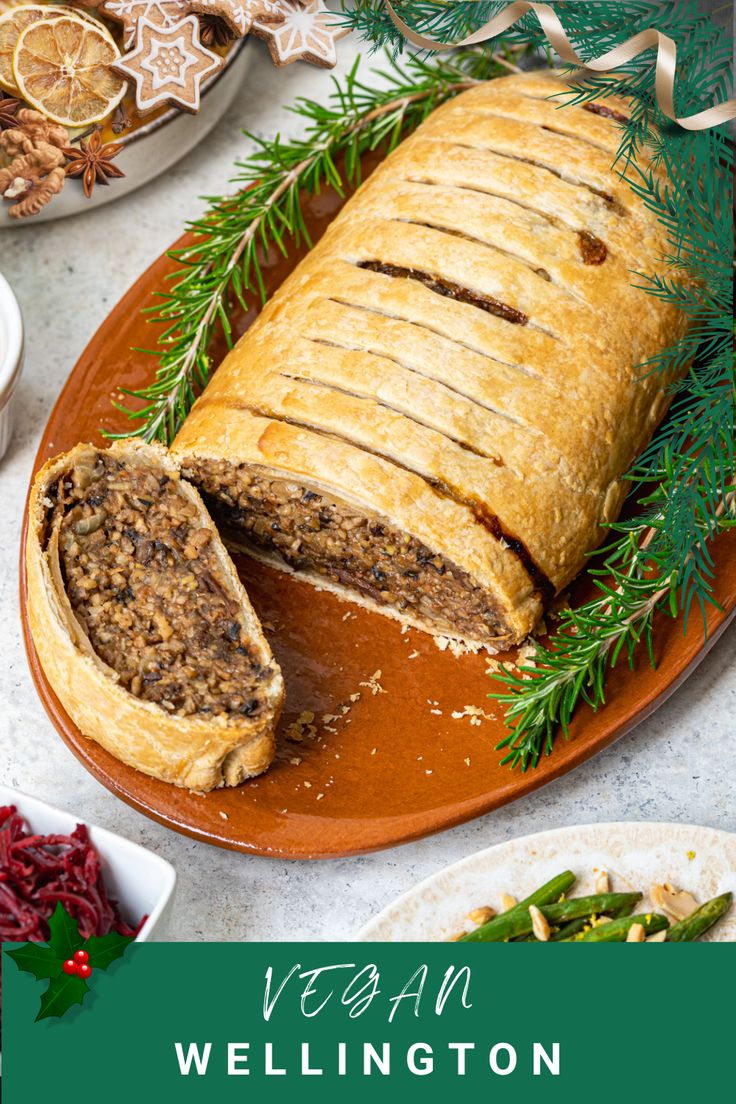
(197, 751)
(455, 357)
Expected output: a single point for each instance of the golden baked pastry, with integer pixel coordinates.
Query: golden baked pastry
(141, 623)
(434, 412)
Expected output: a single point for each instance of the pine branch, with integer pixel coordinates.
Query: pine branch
(545, 693)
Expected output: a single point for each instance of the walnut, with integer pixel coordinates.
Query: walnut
(34, 170)
(39, 194)
(38, 128)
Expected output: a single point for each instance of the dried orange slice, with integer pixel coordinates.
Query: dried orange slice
(62, 68)
(12, 24)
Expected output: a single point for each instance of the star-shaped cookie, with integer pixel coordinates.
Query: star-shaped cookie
(239, 15)
(129, 12)
(300, 30)
(168, 65)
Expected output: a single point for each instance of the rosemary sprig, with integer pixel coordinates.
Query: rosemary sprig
(225, 263)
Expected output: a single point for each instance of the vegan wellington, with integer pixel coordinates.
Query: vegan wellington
(419, 1059)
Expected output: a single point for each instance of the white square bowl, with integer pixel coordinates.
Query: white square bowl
(141, 882)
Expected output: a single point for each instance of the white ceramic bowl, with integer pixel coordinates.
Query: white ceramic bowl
(141, 882)
(11, 358)
(152, 148)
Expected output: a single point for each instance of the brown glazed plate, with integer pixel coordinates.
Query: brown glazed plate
(412, 754)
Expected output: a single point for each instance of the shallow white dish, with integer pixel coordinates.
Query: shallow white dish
(152, 148)
(11, 358)
(141, 882)
(634, 855)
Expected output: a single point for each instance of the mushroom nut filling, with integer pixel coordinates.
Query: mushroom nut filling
(148, 591)
(313, 533)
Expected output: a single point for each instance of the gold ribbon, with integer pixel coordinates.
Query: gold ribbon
(666, 56)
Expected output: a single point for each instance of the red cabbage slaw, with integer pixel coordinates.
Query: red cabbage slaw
(37, 871)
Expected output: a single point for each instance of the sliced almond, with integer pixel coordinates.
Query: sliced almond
(636, 934)
(678, 904)
(481, 916)
(602, 884)
(540, 927)
(658, 937)
(508, 901)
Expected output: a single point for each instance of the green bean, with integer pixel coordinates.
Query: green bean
(545, 895)
(690, 929)
(548, 893)
(575, 926)
(616, 931)
(518, 921)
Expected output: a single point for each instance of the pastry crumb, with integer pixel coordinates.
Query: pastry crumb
(373, 684)
(302, 727)
(526, 655)
(474, 713)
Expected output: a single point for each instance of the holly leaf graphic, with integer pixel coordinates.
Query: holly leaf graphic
(36, 959)
(46, 961)
(104, 949)
(64, 939)
(63, 992)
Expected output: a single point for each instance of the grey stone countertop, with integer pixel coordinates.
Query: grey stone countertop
(678, 765)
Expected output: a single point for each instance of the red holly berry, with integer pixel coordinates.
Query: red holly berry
(84, 971)
(70, 967)
(81, 958)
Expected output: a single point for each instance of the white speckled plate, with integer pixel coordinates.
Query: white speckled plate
(701, 860)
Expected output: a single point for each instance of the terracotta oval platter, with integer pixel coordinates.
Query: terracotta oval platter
(395, 738)
(635, 857)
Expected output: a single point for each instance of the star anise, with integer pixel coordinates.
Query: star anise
(93, 162)
(8, 108)
(214, 31)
